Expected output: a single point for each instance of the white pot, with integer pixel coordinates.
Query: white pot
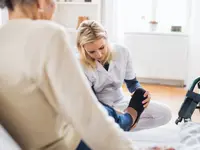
(153, 27)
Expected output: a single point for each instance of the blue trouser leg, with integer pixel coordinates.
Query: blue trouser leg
(124, 120)
(82, 146)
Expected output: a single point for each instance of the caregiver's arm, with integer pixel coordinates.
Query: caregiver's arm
(132, 85)
(77, 100)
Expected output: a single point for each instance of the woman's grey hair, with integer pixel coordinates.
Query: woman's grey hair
(9, 4)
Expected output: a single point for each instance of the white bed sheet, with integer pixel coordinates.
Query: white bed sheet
(168, 135)
(185, 136)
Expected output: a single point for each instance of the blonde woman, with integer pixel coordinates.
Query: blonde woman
(107, 66)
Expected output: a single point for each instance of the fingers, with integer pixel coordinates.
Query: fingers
(146, 93)
(145, 105)
(147, 100)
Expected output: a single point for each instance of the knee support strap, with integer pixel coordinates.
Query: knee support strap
(136, 102)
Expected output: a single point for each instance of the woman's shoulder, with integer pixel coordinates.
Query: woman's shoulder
(48, 31)
(47, 25)
(119, 50)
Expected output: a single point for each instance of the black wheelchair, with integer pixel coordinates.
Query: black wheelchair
(191, 102)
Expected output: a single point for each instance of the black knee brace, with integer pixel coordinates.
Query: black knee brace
(136, 102)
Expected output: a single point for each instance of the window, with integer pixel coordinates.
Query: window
(172, 13)
(3, 16)
(135, 14)
(138, 13)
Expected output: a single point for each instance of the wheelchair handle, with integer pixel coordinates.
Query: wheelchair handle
(189, 104)
(195, 82)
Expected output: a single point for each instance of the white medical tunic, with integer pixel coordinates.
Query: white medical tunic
(108, 84)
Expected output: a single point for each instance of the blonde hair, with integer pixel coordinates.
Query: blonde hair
(88, 32)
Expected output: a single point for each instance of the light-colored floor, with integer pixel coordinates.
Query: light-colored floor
(172, 96)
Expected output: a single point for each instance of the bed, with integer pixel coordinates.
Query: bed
(181, 137)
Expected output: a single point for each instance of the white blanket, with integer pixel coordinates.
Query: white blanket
(190, 136)
(167, 135)
(185, 136)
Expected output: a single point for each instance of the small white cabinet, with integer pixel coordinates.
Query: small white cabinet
(159, 56)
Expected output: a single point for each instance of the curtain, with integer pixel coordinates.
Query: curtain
(112, 20)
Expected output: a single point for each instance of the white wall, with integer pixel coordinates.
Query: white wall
(194, 43)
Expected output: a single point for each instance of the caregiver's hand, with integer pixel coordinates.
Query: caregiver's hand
(147, 100)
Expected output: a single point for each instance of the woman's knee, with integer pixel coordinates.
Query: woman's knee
(167, 113)
(164, 114)
(159, 112)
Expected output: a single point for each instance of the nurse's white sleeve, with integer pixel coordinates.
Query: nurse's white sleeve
(129, 72)
(75, 96)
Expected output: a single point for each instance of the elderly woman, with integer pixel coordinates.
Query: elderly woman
(41, 105)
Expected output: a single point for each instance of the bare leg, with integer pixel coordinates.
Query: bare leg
(133, 114)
